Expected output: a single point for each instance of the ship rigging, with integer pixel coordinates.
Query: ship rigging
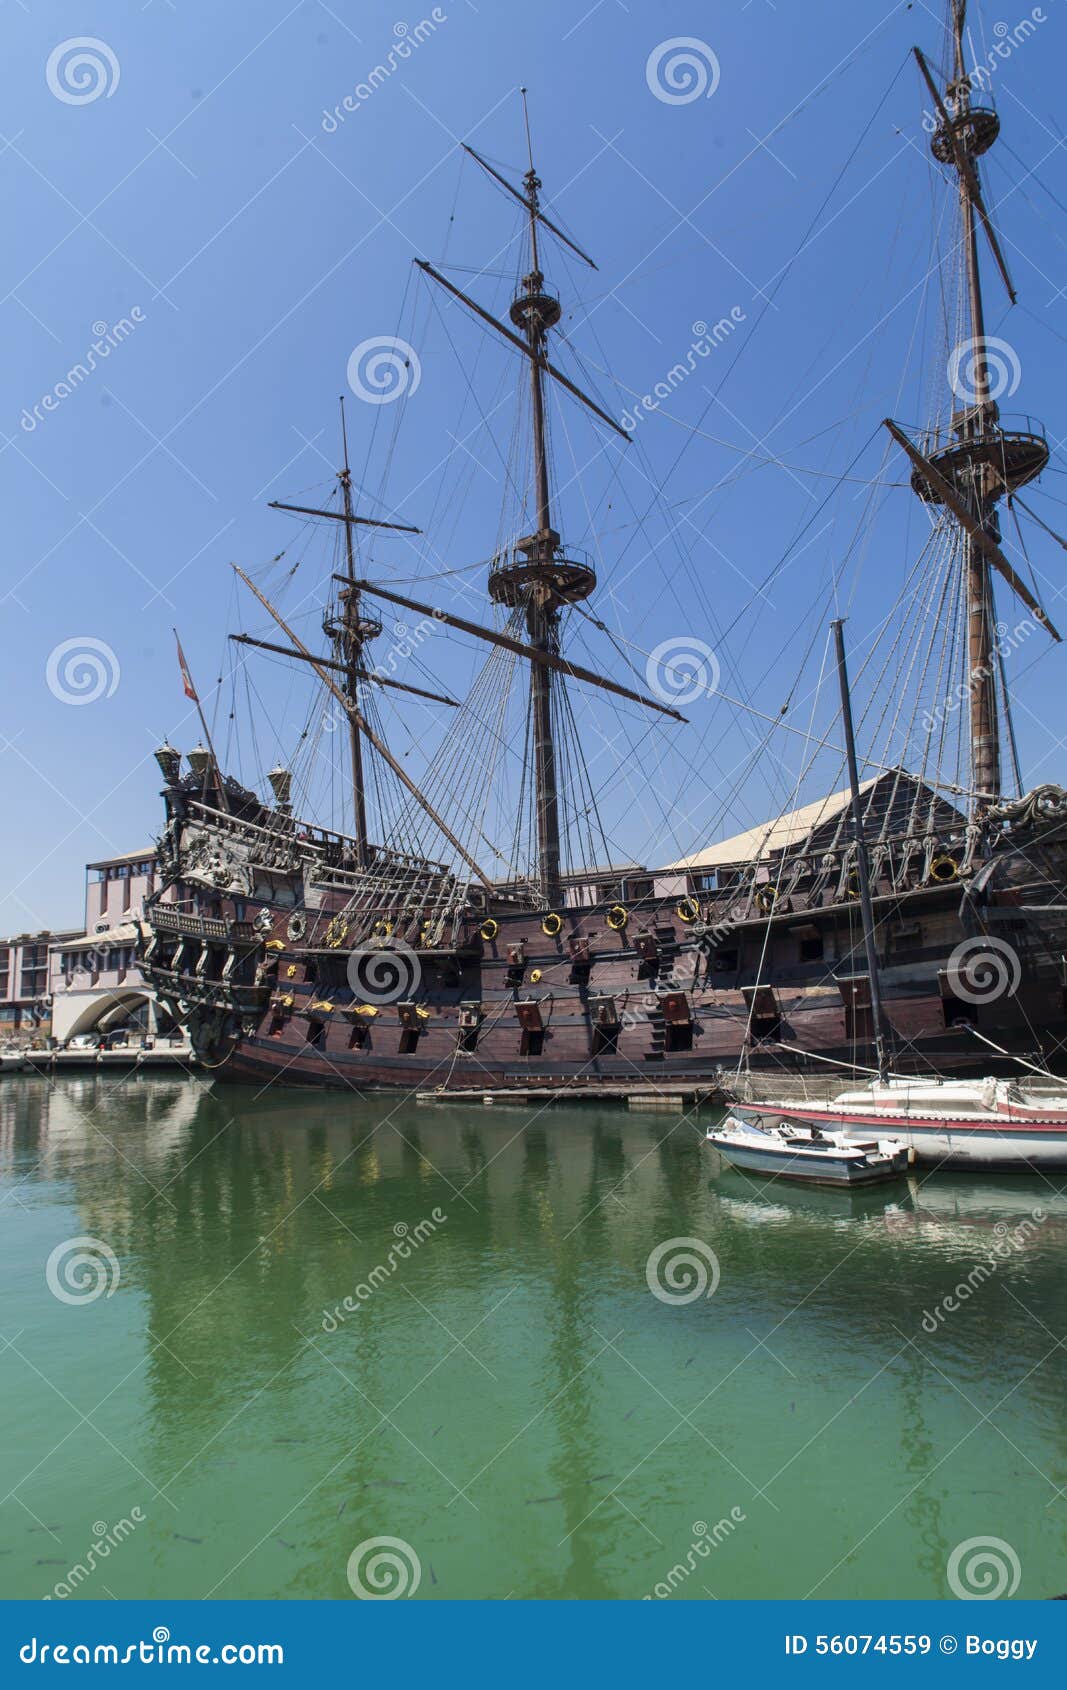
(511, 954)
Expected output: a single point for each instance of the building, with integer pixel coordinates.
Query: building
(94, 982)
(25, 1009)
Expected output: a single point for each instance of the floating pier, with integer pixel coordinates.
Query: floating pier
(706, 1094)
(133, 1060)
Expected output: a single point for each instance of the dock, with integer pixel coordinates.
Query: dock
(160, 1058)
(715, 1092)
(678, 1098)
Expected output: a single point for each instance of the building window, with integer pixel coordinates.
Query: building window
(640, 888)
(33, 982)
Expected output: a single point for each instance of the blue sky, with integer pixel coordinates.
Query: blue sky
(251, 246)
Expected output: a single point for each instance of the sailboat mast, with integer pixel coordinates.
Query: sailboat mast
(975, 423)
(541, 617)
(863, 869)
(979, 461)
(350, 630)
(534, 575)
(352, 637)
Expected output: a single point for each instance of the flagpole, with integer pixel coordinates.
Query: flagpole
(189, 688)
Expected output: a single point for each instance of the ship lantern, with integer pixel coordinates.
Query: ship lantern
(200, 761)
(170, 762)
(281, 782)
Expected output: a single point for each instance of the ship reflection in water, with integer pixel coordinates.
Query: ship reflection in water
(489, 1334)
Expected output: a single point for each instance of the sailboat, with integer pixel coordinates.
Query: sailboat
(421, 950)
(982, 1123)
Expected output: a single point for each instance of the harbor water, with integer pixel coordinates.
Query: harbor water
(548, 1352)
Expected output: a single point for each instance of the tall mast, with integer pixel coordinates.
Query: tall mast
(533, 574)
(985, 727)
(352, 635)
(541, 614)
(351, 630)
(981, 461)
(862, 862)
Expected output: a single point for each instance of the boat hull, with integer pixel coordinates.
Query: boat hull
(780, 1164)
(679, 992)
(990, 1143)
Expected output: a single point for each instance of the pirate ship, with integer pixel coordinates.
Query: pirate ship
(419, 951)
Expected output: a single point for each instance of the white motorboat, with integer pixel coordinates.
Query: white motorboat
(803, 1151)
(981, 1123)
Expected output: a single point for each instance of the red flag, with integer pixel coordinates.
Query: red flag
(187, 679)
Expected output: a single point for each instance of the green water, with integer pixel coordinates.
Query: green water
(510, 1400)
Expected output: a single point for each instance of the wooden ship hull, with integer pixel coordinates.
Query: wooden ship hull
(668, 991)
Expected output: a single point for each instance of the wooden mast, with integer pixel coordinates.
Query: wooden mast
(351, 639)
(534, 574)
(542, 616)
(352, 710)
(985, 727)
(351, 631)
(982, 461)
